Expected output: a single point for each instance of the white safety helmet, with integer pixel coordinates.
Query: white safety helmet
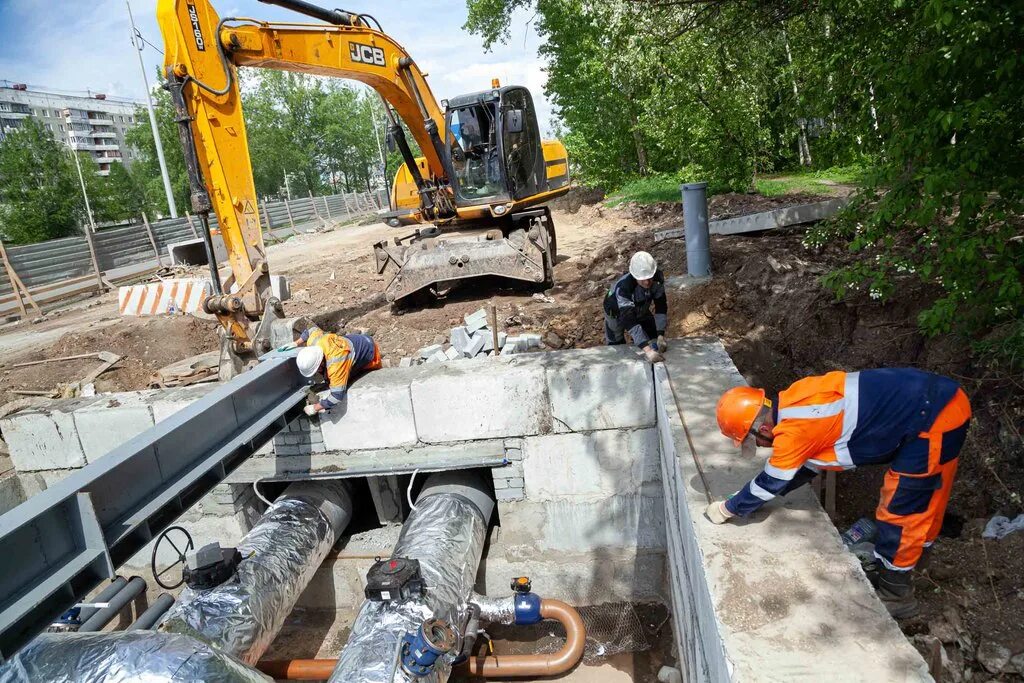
(642, 266)
(309, 360)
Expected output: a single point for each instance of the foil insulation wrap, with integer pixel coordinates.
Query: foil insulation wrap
(496, 610)
(124, 657)
(279, 557)
(446, 534)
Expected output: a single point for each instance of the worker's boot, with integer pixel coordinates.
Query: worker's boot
(896, 590)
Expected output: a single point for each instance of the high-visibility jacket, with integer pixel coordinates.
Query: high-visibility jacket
(841, 420)
(344, 354)
(628, 303)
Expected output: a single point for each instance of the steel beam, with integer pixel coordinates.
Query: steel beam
(60, 544)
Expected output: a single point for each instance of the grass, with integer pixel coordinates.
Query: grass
(664, 187)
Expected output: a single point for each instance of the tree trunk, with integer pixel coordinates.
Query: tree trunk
(638, 142)
(804, 148)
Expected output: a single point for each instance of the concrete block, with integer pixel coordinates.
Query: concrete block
(476, 345)
(166, 403)
(453, 353)
(602, 388)
(617, 522)
(477, 320)
(377, 413)
(279, 287)
(509, 494)
(428, 351)
(489, 339)
(44, 439)
(460, 339)
(405, 362)
(509, 348)
(480, 400)
(594, 465)
(11, 492)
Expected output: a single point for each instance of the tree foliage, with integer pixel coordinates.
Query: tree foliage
(926, 94)
(39, 194)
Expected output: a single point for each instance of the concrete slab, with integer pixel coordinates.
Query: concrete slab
(168, 403)
(787, 600)
(45, 438)
(480, 399)
(594, 465)
(600, 388)
(113, 420)
(377, 413)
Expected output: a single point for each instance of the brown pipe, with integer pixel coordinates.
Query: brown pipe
(489, 667)
(299, 669)
(538, 665)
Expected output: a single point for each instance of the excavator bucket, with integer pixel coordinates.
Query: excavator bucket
(438, 259)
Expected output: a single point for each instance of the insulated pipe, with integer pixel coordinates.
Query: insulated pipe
(124, 657)
(280, 555)
(103, 596)
(446, 534)
(117, 603)
(152, 615)
(509, 666)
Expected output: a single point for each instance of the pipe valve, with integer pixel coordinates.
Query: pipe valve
(434, 638)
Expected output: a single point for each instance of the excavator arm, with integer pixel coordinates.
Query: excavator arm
(201, 57)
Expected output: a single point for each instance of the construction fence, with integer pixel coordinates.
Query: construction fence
(50, 271)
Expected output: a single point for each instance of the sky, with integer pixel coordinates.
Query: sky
(85, 45)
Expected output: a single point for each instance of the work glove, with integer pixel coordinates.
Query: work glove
(288, 347)
(718, 513)
(652, 354)
(311, 409)
(662, 346)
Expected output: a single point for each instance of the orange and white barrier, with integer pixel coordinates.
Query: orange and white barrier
(180, 295)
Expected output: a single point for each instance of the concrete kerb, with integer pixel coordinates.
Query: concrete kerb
(785, 594)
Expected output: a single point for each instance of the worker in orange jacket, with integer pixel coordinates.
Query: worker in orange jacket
(913, 421)
(339, 357)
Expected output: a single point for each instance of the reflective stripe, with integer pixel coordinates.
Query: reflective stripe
(779, 473)
(851, 399)
(890, 565)
(823, 410)
(829, 465)
(334, 361)
(760, 492)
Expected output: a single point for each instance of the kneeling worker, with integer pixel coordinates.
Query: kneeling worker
(913, 421)
(341, 357)
(627, 308)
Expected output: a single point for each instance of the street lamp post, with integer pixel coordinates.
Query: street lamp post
(152, 118)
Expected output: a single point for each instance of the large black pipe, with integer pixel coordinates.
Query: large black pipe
(117, 603)
(331, 16)
(152, 615)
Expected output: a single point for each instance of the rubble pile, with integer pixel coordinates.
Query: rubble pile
(474, 338)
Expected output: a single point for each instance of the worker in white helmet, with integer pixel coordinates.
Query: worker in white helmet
(628, 304)
(339, 357)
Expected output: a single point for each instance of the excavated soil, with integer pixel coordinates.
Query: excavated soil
(767, 305)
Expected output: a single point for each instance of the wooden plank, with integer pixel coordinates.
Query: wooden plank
(36, 291)
(92, 257)
(291, 221)
(195, 233)
(312, 200)
(17, 285)
(266, 218)
(327, 207)
(152, 238)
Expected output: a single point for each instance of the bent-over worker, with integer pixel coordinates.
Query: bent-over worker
(340, 357)
(628, 304)
(913, 421)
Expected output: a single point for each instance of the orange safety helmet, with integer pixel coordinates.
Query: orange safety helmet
(737, 410)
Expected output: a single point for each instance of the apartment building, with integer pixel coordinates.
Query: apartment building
(89, 122)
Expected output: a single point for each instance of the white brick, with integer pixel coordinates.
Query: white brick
(480, 400)
(377, 413)
(594, 465)
(476, 345)
(600, 389)
(476, 320)
(488, 338)
(43, 440)
(460, 340)
(428, 351)
(452, 353)
(509, 494)
(112, 421)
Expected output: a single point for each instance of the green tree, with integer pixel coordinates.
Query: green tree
(39, 194)
(145, 169)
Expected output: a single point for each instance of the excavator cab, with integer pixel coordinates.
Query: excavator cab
(495, 147)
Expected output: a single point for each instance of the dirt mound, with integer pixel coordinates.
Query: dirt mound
(576, 197)
(144, 347)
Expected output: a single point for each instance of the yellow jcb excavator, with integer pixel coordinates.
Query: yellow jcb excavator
(483, 171)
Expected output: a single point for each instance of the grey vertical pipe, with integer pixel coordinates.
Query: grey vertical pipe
(104, 595)
(149, 618)
(695, 223)
(134, 589)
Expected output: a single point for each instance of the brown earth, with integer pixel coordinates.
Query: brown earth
(765, 302)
